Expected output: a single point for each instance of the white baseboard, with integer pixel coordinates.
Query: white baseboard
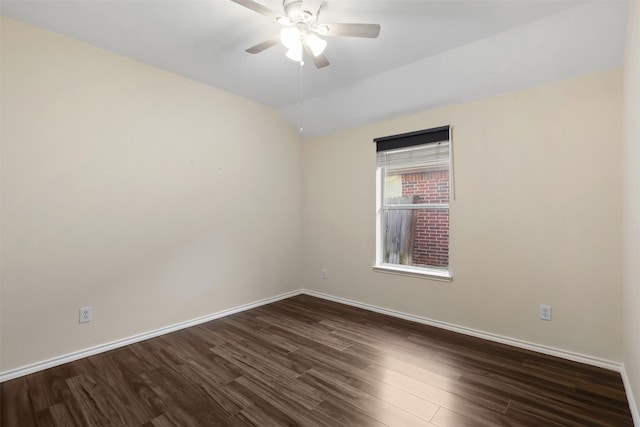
(564, 354)
(56, 361)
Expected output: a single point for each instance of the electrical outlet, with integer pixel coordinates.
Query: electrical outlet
(324, 273)
(85, 314)
(545, 312)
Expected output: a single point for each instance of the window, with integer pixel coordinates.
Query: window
(414, 186)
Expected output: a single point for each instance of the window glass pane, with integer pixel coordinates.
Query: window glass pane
(416, 237)
(413, 205)
(416, 185)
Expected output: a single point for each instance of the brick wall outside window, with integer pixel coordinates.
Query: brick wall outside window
(431, 243)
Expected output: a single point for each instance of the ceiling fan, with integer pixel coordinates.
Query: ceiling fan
(302, 30)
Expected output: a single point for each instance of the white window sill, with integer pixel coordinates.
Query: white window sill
(425, 273)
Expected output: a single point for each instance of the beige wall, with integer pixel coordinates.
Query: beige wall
(150, 197)
(536, 219)
(631, 272)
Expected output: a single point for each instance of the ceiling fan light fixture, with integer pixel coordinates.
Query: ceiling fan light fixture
(316, 44)
(295, 53)
(303, 32)
(290, 37)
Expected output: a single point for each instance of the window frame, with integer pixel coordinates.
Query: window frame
(434, 273)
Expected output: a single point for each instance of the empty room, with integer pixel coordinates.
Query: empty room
(319, 213)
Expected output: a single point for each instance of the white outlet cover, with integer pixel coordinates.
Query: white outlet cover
(545, 312)
(85, 314)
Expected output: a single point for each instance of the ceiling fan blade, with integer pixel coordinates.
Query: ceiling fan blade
(264, 45)
(370, 31)
(257, 7)
(319, 61)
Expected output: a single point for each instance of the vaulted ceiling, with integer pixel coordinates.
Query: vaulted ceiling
(429, 53)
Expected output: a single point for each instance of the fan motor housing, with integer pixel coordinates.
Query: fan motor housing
(293, 10)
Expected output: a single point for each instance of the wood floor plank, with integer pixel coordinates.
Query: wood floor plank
(304, 361)
(62, 416)
(47, 388)
(160, 421)
(164, 420)
(524, 417)
(357, 380)
(187, 403)
(448, 418)
(566, 414)
(515, 380)
(267, 396)
(252, 328)
(317, 333)
(16, 406)
(98, 407)
(253, 415)
(119, 373)
(389, 354)
(347, 415)
(262, 354)
(73, 408)
(423, 375)
(375, 408)
(295, 391)
(377, 337)
(274, 409)
(432, 393)
(255, 367)
(408, 402)
(201, 380)
(564, 407)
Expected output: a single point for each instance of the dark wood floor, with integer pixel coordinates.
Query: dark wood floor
(309, 362)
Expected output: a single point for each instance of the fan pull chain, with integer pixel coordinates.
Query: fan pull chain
(300, 104)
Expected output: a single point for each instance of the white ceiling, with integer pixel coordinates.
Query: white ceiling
(428, 54)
